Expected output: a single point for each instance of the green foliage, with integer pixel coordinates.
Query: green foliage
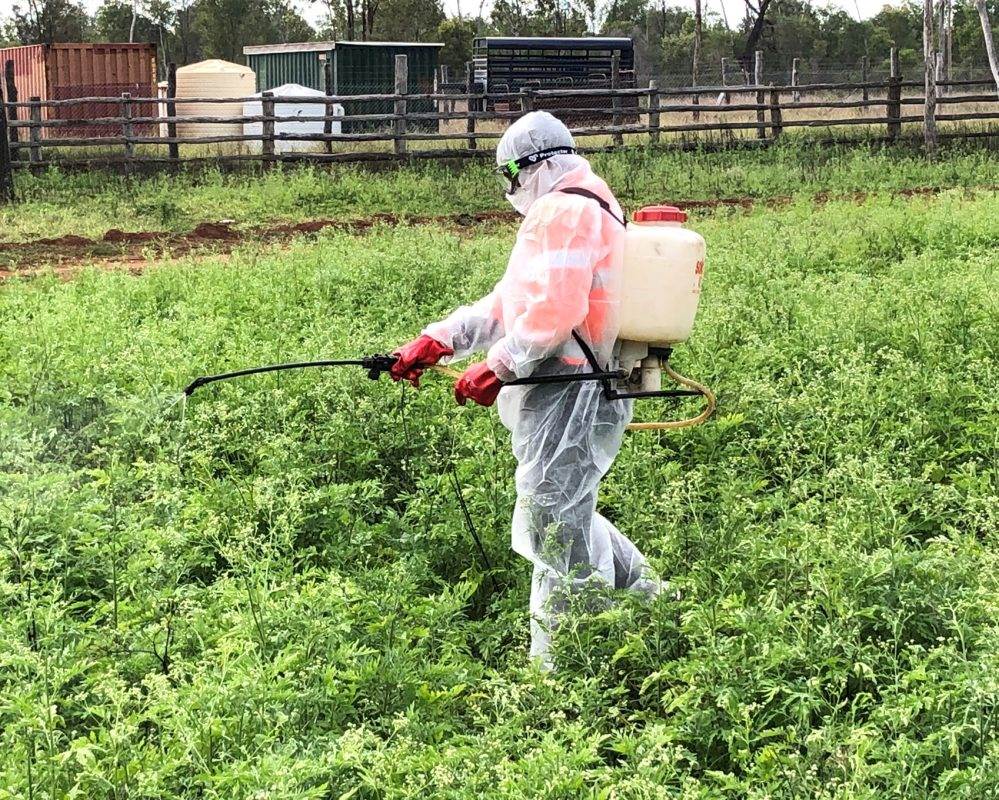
(224, 27)
(456, 35)
(273, 594)
(47, 22)
(409, 21)
(89, 203)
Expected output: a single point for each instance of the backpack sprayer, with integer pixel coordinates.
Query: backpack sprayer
(660, 291)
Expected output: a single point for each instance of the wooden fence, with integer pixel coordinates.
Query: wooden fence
(466, 124)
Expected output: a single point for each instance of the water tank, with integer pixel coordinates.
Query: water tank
(661, 283)
(213, 78)
(296, 126)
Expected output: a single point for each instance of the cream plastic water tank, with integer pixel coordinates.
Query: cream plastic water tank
(213, 78)
(661, 284)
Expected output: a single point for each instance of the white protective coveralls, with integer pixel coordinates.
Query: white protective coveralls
(564, 274)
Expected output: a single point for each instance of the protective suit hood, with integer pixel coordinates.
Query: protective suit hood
(533, 133)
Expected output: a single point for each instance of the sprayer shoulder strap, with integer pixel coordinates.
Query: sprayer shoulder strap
(594, 196)
(583, 344)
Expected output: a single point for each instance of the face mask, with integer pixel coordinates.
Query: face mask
(521, 200)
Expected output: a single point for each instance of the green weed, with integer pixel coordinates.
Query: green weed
(279, 599)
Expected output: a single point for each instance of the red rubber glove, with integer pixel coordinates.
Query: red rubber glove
(414, 357)
(478, 383)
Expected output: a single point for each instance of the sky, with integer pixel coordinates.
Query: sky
(862, 9)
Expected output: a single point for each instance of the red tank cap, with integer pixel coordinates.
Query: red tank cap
(660, 214)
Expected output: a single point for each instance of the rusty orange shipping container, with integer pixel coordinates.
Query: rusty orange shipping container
(65, 71)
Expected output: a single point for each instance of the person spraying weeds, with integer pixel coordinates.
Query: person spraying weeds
(582, 322)
(555, 309)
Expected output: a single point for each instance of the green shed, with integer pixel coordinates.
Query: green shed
(358, 68)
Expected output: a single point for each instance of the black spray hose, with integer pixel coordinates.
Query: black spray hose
(375, 365)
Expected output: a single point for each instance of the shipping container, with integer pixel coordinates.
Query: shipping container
(358, 68)
(66, 71)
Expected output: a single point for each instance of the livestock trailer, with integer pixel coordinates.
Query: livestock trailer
(356, 67)
(67, 71)
(507, 64)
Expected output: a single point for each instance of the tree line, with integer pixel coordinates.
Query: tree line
(666, 37)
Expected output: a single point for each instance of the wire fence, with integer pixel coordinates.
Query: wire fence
(732, 72)
(137, 131)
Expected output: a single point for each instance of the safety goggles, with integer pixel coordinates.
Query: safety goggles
(509, 173)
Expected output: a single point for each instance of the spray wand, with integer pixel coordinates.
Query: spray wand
(379, 363)
(375, 365)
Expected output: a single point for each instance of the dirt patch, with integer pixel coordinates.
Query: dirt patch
(69, 240)
(67, 253)
(115, 236)
(213, 232)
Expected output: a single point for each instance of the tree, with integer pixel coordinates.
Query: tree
(188, 38)
(929, 79)
(758, 16)
(990, 50)
(353, 20)
(50, 21)
(225, 26)
(698, 31)
(623, 16)
(541, 17)
(456, 36)
(114, 19)
(408, 20)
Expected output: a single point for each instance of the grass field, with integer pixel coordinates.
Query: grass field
(271, 591)
(88, 204)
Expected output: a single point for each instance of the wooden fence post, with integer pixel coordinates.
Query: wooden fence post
(893, 108)
(654, 112)
(173, 149)
(401, 87)
(8, 74)
(526, 100)
(795, 95)
(471, 106)
(726, 97)
(761, 115)
(776, 117)
(35, 132)
(126, 130)
(864, 72)
(328, 113)
(618, 138)
(6, 172)
(267, 128)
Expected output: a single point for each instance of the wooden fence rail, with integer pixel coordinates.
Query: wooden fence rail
(460, 122)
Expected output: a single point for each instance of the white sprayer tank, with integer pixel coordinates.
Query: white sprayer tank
(661, 284)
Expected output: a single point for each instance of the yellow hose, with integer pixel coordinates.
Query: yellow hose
(672, 425)
(709, 396)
